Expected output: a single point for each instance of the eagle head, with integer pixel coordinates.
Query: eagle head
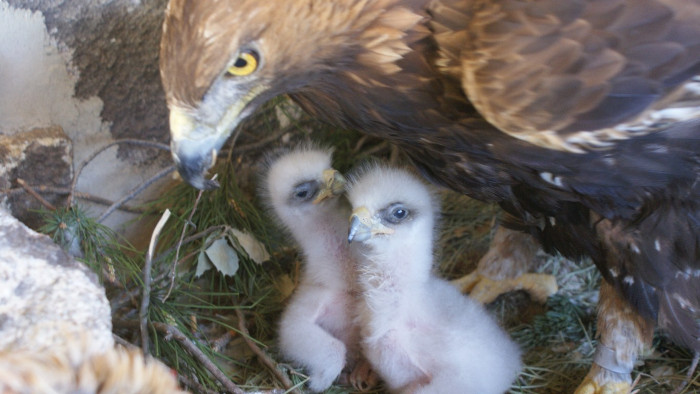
(220, 60)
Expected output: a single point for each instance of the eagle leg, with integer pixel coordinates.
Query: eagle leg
(623, 335)
(504, 268)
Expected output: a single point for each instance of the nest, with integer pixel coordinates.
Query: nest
(216, 327)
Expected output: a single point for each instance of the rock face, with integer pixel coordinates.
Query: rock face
(42, 156)
(47, 298)
(114, 47)
(90, 67)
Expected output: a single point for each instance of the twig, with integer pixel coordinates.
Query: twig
(199, 355)
(196, 236)
(172, 332)
(267, 361)
(194, 385)
(173, 270)
(263, 142)
(36, 195)
(79, 170)
(360, 143)
(134, 192)
(689, 375)
(129, 296)
(233, 144)
(143, 313)
(123, 342)
(64, 191)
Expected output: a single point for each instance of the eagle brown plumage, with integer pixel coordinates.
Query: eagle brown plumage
(580, 118)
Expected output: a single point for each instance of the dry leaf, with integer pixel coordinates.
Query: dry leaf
(254, 248)
(223, 256)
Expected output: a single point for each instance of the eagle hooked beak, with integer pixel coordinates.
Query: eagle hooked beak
(194, 148)
(195, 144)
(333, 185)
(363, 226)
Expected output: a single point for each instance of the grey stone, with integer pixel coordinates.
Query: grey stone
(47, 298)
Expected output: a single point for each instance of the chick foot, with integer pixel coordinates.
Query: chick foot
(363, 378)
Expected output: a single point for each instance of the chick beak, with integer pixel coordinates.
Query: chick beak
(333, 185)
(363, 226)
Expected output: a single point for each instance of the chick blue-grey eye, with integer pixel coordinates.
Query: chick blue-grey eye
(396, 214)
(305, 191)
(400, 213)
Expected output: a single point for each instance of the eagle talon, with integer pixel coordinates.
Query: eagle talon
(486, 290)
(603, 381)
(590, 387)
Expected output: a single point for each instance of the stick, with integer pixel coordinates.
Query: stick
(194, 385)
(199, 355)
(151, 144)
(123, 342)
(128, 296)
(267, 361)
(263, 142)
(134, 192)
(689, 375)
(143, 313)
(64, 191)
(36, 195)
(172, 332)
(173, 271)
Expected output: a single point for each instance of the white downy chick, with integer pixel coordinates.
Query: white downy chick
(317, 328)
(419, 333)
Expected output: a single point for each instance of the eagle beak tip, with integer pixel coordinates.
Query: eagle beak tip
(210, 184)
(192, 169)
(200, 182)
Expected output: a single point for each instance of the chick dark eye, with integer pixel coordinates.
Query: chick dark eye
(304, 191)
(302, 194)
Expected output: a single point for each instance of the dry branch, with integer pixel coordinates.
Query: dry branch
(79, 170)
(36, 195)
(267, 361)
(172, 332)
(134, 192)
(173, 270)
(65, 191)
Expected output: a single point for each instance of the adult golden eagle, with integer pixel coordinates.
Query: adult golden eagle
(579, 117)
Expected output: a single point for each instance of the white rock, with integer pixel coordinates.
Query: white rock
(47, 298)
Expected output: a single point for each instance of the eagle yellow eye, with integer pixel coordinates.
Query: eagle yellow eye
(245, 64)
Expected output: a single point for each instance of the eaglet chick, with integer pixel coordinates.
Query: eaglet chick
(418, 332)
(316, 329)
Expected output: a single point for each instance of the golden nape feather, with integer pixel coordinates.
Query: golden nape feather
(72, 370)
(580, 118)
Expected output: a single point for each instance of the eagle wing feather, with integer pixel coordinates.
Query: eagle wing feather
(566, 75)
